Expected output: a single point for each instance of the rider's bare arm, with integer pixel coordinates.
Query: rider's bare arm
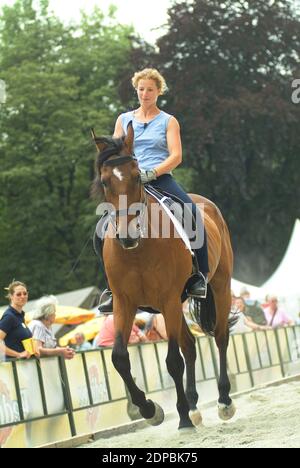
(118, 132)
(175, 149)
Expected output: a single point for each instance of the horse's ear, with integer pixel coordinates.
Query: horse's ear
(100, 142)
(129, 139)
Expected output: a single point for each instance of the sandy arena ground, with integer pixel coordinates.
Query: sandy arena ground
(268, 417)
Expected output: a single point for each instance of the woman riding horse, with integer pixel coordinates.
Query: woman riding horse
(153, 272)
(157, 147)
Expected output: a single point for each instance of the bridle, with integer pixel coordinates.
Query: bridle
(113, 215)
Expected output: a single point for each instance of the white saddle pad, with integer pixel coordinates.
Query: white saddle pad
(178, 226)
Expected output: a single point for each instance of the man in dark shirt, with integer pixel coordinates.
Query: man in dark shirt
(254, 317)
(255, 312)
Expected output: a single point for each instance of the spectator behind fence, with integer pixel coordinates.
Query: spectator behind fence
(242, 323)
(41, 328)
(106, 336)
(156, 329)
(2, 350)
(254, 317)
(245, 294)
(276, 317)
(13, 329)
(80, 343)
(266, 302)
(255, 312)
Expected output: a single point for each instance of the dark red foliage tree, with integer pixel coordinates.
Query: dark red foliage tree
(230, 67)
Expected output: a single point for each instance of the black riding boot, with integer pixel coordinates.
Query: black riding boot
(198, 287)
(106, 298)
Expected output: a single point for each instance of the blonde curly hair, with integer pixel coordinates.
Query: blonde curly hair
(150, 74)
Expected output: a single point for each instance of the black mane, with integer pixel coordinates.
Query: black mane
(113, 147)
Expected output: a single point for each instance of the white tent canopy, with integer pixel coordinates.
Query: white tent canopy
(254, 291)
(285, 282)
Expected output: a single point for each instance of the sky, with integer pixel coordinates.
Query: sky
(144, 15)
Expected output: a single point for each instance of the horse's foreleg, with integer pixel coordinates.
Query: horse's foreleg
(120, 358)
(223, 302)
(188, 349)
(174, 360)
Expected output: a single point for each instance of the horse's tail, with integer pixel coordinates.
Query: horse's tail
(205, 313)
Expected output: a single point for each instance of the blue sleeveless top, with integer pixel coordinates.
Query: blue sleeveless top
(150, 140)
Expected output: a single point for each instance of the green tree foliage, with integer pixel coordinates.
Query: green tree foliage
(61, 80)
(229, 66)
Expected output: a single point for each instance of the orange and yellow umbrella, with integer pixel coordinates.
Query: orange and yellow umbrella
(90, 329)
(68, 315)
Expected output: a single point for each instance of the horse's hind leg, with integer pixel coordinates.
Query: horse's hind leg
(174, 360)
(188, 349)
(123, 321)
(223, 302)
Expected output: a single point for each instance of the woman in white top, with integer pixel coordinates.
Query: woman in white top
(41, 329)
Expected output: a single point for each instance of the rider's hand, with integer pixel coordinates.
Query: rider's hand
(148, 176)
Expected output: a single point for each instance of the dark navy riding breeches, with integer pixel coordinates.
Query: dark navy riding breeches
(168, 184)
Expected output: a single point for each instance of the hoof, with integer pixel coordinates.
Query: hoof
(195, 417)
(158, 417)
(186, 424)
(226, 412)
(187, 430)
(133, 412)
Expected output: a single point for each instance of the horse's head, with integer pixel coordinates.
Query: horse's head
(118, 177)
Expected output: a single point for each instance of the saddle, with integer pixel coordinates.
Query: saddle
(169, 202)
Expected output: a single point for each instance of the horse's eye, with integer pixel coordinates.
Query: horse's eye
(104, 183)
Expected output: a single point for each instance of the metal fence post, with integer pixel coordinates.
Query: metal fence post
(67, 394)
(18, 390)
(279, 352)
(248, 360)
(213, 357)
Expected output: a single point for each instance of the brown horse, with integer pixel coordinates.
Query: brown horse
(153, 272)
